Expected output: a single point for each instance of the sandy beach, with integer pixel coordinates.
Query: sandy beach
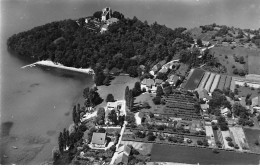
(58, 65)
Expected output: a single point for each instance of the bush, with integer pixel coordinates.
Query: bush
(161, 127)
(110, 98)
(151, 138)
(236, 146)
(146, 105)
(256, 142)
(215, 127)
(101, 130)
(229, 139)
(172, 139)
(82, 128)
(230, 144)
(199, 142)
(219, 144)
(157, 100)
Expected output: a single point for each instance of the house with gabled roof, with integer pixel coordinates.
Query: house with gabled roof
(124, 149)
(122, 158)
(98, 140)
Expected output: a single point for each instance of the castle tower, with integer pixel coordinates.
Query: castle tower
(106, 13)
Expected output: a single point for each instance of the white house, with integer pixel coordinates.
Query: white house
(224, 111)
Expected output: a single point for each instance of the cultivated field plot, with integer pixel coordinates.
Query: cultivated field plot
(204, 156)
(254, 64)
(181, 105)
(194, 79)
(252, 135)
(239, 136)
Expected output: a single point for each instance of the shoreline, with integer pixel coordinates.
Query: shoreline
(58, 65)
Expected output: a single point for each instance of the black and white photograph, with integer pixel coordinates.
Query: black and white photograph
(130, 82)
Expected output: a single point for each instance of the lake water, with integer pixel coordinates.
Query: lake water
(36, 102)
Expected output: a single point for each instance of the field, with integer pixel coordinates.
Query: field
(254, 64)
(252, 135)
(243, 91)
(194, 79)
(204, 156)
(225, 51)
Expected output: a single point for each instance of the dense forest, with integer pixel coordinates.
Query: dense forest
(126, 45)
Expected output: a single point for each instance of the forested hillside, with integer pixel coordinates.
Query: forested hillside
(73, 45)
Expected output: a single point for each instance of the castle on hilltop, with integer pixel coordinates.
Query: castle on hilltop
(106, 13)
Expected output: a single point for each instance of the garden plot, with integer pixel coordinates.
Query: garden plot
(238, 135)
(226, 134)
(194, 80)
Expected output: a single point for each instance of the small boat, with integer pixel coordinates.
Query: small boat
(5, 156)
(14, 147)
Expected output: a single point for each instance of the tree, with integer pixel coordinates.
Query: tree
(157, 100)
(151, 138)
(106, 81)
(228, 139)
(159, 91)
(256, 142)
(130, 118)
(126, 95)
(101, 130)
(199, 42)
(258, 118)
(100, 115)
(130, 100)
(110, 98)
(82, 127)
(199, 142)
(235, 71)
(137, 88)
(112, 116)
(55, 155)
(61, 142)
(241, 60)
(98, 14)
(146, 105)
(231, 144)
(240, 110)
(219, 144)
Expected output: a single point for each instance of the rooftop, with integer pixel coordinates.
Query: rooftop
(125, 149)
(98, 138)
(121, 158)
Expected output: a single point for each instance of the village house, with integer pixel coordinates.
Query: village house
(148, 84)
(124, 149)
(256, 104)
(158, 82)
(173, 79)
(122, 158)
(98, 140)
(224, 111)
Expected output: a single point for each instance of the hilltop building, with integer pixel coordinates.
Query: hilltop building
(106, 13)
